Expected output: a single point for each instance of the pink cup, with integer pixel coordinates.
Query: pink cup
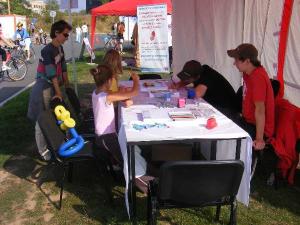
(181, 102)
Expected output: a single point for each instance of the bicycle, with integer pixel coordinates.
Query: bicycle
(21, 52)
(17, 67)
(111, 42)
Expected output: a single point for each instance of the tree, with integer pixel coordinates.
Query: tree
(20, 7)
(51, 5)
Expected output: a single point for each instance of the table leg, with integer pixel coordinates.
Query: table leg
(238, 148)
(131, 183)
(213, 152)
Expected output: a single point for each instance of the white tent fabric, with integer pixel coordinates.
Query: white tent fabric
(262, 27)
(201, 31)
(204, 30)
(292, 60)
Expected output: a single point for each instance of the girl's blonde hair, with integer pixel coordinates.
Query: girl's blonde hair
(113, 59)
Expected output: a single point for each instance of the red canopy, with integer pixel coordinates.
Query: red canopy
(122, 8)
(126, 7)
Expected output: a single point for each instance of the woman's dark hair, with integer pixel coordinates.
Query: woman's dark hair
(59, 27)
(255, 62)
(101, 74)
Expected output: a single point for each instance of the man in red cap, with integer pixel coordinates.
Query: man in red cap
(258, 99)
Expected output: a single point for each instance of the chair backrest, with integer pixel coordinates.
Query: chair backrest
(199, 182)
(74, 101)
(148, 77)
(52, 133)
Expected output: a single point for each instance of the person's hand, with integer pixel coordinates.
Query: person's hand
(172, 85)
(259, 145)
(128, 102)
(135, 77)
(57, 96)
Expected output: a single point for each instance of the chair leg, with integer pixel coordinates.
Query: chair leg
(70, 172)
(253, 167)
(104, 173)
(62, 187)
(154, 211)
(112, 172)
(233, 208)
(218, 211)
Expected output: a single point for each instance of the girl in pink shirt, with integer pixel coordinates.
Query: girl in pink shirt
(103, 108)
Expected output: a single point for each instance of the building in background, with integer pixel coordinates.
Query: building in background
(37, 6)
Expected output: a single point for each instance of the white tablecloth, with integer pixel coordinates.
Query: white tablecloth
(157, 112)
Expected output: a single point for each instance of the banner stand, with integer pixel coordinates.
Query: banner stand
(89, 49)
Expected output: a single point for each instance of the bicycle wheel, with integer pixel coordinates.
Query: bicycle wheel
(18, 69)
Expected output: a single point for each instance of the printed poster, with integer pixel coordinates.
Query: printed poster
(89, 48)
(153, 38)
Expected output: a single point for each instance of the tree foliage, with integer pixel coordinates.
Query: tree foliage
(52, 5)
(19, 7)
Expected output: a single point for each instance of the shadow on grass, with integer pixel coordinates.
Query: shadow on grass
(283, 197)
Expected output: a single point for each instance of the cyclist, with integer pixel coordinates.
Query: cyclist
(24, 39)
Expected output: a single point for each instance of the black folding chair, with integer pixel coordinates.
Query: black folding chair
(54, 138)
(186, 184)
(86, 118)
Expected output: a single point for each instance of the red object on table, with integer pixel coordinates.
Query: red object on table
(211, 123)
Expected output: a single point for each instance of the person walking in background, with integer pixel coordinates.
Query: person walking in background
(51, 74)
(45, 38)
(135, 42)
(120, 36)
(41, 35)
(78, 34)
(32, 29)
(85, 30)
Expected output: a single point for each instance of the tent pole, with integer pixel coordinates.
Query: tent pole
(74, 74)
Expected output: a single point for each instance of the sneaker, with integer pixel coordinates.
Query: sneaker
(5, 67)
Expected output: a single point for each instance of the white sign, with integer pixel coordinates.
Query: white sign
(153, 38)
(52, 13)
(89, 48)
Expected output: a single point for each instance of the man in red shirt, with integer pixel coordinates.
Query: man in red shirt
(258, 99)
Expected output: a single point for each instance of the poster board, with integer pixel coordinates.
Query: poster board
(153, 38)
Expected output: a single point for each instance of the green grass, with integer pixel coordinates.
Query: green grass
(85, 201)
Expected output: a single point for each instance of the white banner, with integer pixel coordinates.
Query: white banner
(153, 38)
(89, 48)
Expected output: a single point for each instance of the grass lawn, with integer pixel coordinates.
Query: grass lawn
(29, 193)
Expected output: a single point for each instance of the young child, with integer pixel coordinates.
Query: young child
(113, 59)
(103, 109)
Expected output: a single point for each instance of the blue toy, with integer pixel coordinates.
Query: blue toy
(66, 123)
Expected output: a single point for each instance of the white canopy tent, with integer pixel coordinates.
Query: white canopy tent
(205, 29)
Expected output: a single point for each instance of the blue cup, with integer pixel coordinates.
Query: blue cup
(167, 96)
(191, 93)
